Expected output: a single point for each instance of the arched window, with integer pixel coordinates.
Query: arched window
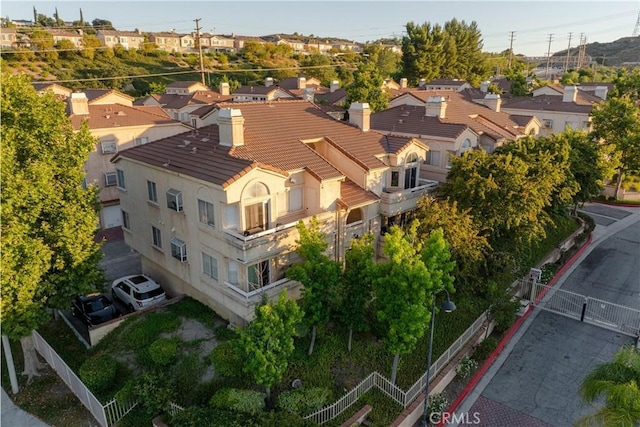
(354, 216)
(255, 201)
(465, 145)
(411, 171)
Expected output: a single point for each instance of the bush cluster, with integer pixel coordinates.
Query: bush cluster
(99, 372)
(304, 401)
(163, 351)
(226, 359)
(482, 351)
(466, 366)
(249, 401)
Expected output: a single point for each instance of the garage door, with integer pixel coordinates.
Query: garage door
(111, 216)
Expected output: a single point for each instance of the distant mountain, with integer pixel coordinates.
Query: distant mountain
(626, 49)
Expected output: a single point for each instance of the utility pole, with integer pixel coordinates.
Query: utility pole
(512, 34)
(546, 73)
(566, 62)
(199, 49)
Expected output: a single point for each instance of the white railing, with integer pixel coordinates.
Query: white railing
(174, 408)
(394, 392)
(105, 415)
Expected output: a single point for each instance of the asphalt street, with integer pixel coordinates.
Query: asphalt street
(535, 380)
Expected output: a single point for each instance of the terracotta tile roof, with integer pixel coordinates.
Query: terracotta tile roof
(153, 109)
(94, 94)
(153, 96)
(461, 110)
(591, 86)
(331, 98)
(257, 90)
(117, 115)
(204, 110)
(291, 83)
(43, 86)
(447, 82)
(584, 103)
(521, 120)
(352, 195)
(274, 135)
(176, 101)
(120, 33)
(406, 119)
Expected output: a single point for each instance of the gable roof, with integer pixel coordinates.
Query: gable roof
(116, 115)
(176, 101)
(182, 84)
(583, 104)
(447, 82)
(257, 90)
(96, 94)
(274, 137)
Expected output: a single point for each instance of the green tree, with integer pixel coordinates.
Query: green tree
(387, 61)
(587, 166)
(422, 55)
(102, 24)
(356, 288)
(43, 42)
(67, 49)
(404, 286)
(267, 342)
(319, 275)
(617, 123)
(321, 67)
(48, 218)
(627, 83)
(618, 382)
(91, 43)
(367, 87)
(469, 247)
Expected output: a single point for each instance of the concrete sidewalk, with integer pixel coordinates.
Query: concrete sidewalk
(12, 416)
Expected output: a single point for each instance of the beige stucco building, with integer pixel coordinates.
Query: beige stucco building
(213, 212)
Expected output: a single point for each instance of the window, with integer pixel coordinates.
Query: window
(125, 220)
(395, 178)
(354, 216)
(194, 123)
(209, 266)
(411, 171)
(466, 145)
(178, 249)
(205, 212)
(141, 141)
(259, 275)
(233, 272)
(110, 179)
(433, 158)
(120, 178)
(295, 199)
(450, 156)
(572, 125)
(174, 200)
(547, 123)
(256, 216)
(109, 146)
(156, 237)
(151, 190)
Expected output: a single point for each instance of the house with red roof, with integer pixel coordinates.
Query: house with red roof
(212, 211)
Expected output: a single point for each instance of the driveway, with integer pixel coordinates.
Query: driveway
(535, 381)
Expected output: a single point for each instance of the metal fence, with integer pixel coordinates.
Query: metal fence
(394, 392)
(105, 415)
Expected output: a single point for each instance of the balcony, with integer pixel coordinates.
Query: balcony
(395, 202)
(252, 296)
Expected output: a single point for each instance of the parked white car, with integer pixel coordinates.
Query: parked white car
(137, 291)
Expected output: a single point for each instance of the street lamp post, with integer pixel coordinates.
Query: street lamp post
(447, 306)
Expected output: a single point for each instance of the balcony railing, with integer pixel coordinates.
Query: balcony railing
(395, 202)
(247, 296)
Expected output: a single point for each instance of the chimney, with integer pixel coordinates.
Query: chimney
(422, 83)
(302, 82)
(334, 86)
(231, 127)
(601, 92)
(308, 94)
(268, 82)
(493, 101)
(224, 88)
(436, 107)
(484, 86)
(570, 94)
(79, 103)
(360, 115)
(403, 83)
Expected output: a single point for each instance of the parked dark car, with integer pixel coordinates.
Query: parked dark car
(94, 309)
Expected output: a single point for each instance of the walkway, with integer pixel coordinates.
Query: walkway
(12, 416)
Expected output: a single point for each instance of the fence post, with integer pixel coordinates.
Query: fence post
(584, 308)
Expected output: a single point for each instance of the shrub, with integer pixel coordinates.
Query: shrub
(303, 401)
(142, 333)
(223, 333)
(187, 374)
(249, 401)
(482, 351)
(126, 393)
(466, 366)
(226, 359)
(438, 403)
(99, 372)
(154, 393)
(163, 350)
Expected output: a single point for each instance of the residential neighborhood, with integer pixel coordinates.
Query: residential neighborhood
(207, 228)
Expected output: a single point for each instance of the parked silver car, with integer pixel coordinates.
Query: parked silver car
(137, 291)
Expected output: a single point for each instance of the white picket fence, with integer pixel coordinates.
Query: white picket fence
(105, 415)
(394, 392)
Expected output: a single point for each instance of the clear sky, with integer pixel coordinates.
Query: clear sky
(533, 20)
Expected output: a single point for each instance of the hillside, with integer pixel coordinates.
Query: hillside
(626, 49)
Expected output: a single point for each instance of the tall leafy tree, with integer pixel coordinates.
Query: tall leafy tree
(320, 67)
(48, 218)
(618, 382)
(367, 87)
(319, 274)
(387, 61)
(616, 122)
(588, 166)
(356, 288)
(422, 55)
(405, 285)
(267, 342)
(468, 245)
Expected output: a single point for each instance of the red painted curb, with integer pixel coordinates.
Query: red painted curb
(505, 340)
